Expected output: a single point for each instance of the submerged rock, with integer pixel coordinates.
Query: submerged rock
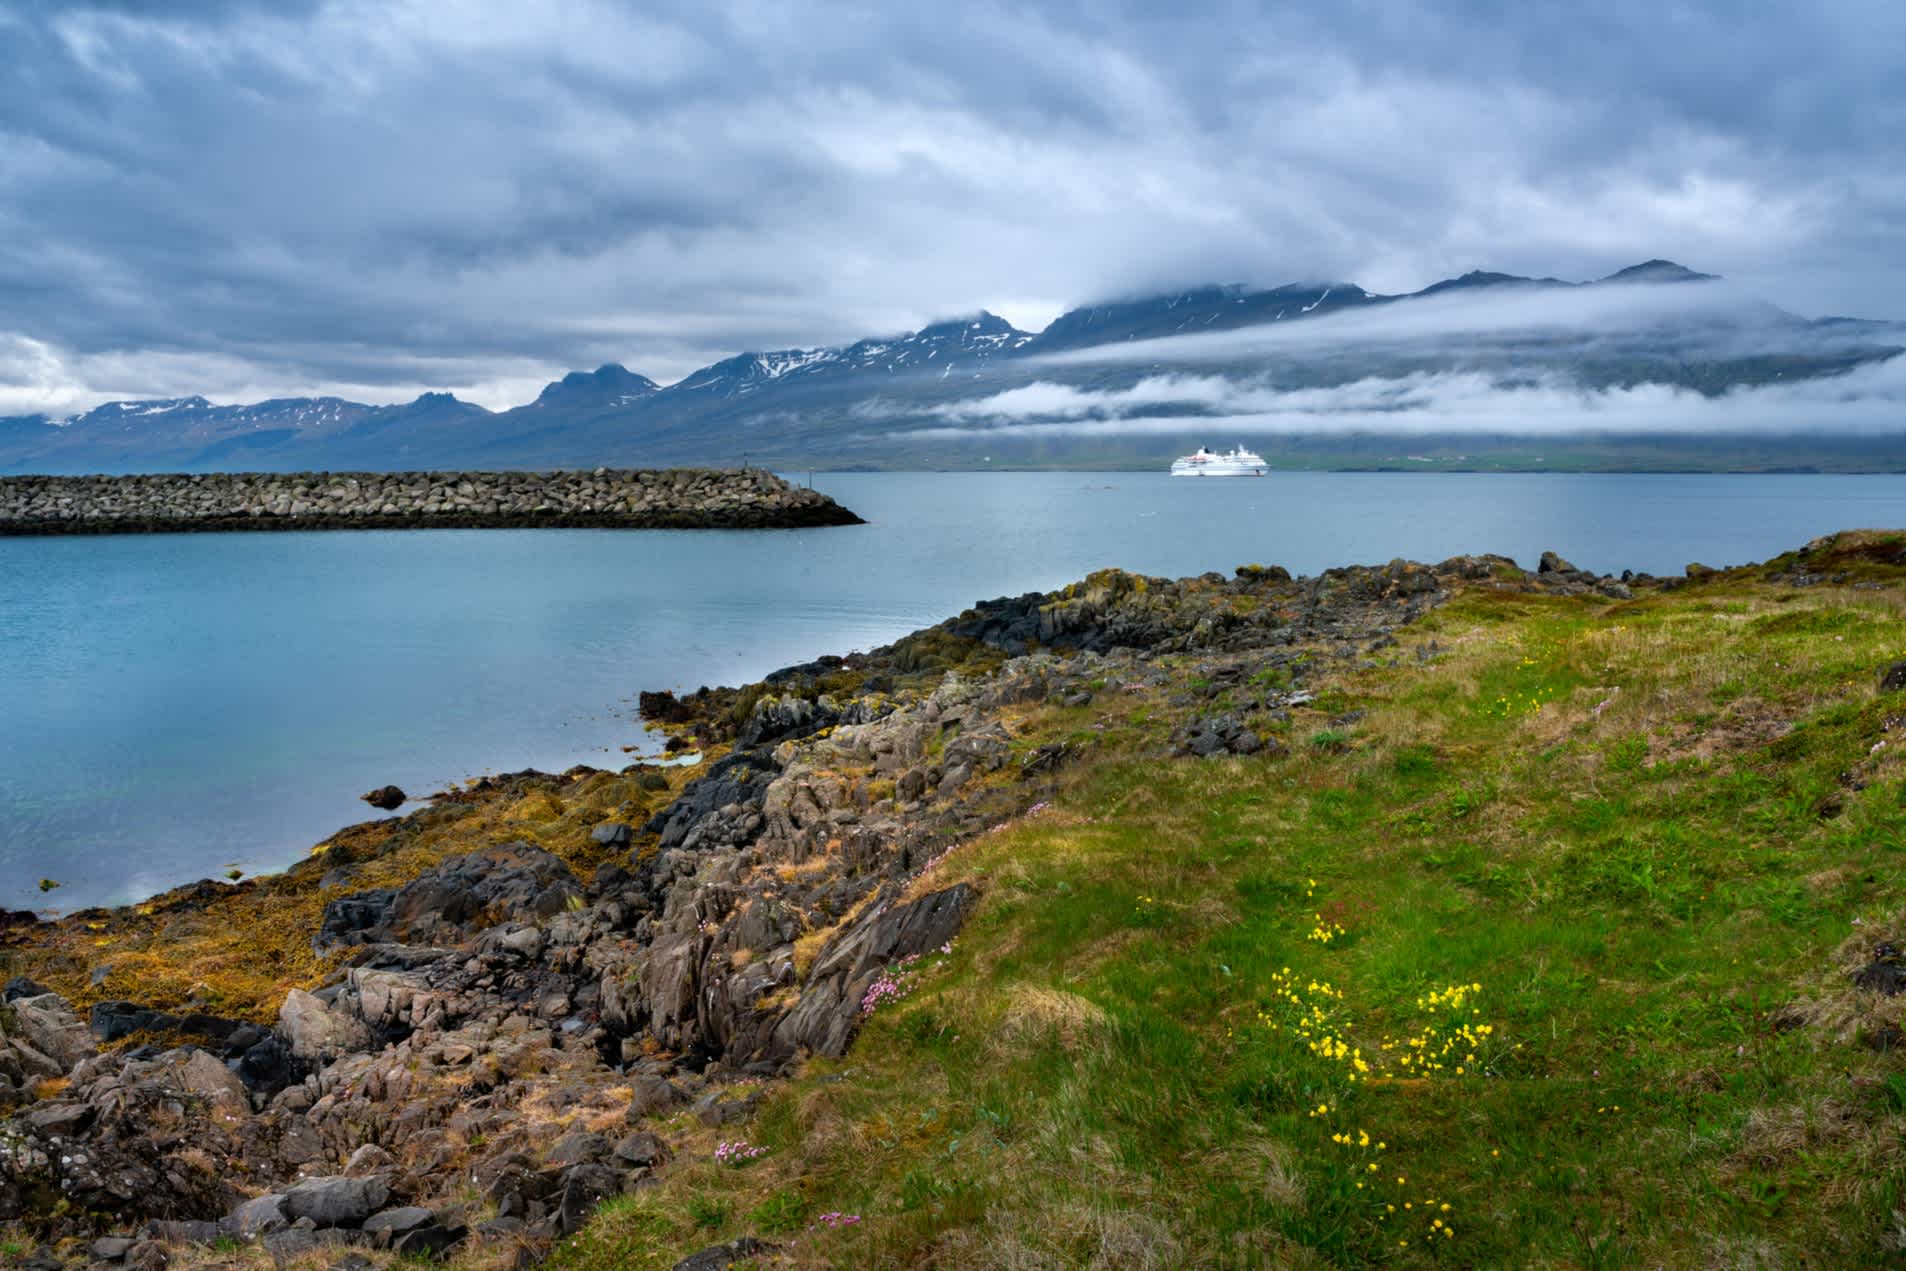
(386, 798)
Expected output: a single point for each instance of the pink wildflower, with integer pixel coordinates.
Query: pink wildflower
(734, 1153)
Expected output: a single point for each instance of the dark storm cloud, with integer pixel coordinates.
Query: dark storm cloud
(379, 196)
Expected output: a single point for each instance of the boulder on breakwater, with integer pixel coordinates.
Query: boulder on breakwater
(619, 498)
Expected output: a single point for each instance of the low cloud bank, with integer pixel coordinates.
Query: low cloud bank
(1869, 400)
(1707, 319)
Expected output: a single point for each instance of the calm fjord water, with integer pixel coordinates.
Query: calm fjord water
(172, 706)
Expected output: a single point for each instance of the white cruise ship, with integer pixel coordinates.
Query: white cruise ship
(1205, 463)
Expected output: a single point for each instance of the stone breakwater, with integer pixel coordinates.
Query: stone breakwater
(676, 498)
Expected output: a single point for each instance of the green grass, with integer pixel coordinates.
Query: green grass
(1645, 831)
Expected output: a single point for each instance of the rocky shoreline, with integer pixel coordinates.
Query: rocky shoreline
(551, 1023)
(621, 498)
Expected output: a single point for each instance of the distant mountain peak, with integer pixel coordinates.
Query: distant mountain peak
(610, 384)
(977, 324)
(1479, 279)
(1659, 270)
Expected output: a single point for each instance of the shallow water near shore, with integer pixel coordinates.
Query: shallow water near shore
(172, 706)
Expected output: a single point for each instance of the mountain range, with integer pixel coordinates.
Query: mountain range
(945, 396)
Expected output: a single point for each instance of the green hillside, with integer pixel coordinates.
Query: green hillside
(1531, 944)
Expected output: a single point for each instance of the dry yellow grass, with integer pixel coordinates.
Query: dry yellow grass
(238, 951)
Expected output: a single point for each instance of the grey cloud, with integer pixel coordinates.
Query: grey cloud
(1867, 401)
(414, 193)
(1711, 320)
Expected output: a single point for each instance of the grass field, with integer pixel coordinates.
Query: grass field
(1542, 959)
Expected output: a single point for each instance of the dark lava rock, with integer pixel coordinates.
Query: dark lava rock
(612, 834)
(741, 778)
(778, 719)
(20, 986)
(578, 1146)
(716, 1109)
(386, 1226)
(429, 1242)
(336, 1201)
(227, 1038)
(722, 1257)
(1893, 679)
(663, 707)
(352, 919)
(1554, 564)
(1216, 735)
(584, 1187)
(113, 1020)
(269, 1066)
(642, 1149)
(1048, 757)
(652, 1095)
(448, 902)
(1885, 974)
(515, 880)
(385, 798)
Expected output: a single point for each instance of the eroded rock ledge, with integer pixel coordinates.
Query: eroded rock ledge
(619, 498)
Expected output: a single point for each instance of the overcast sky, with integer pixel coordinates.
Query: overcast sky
(375, 197)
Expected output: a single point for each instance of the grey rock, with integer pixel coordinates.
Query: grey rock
(368, 1160)
(183, 1231)
(315, 1033)
(651, 1095)
(147, 1255)
(525, 942)
(383, 1227)
(260, 1215)
(336, 1201)
(111, 1248)
(716, 1109)
(1554, 564)
(612, 834)
(642, 1149)
(578, 1146)
(64, 1119)
(197, 1072)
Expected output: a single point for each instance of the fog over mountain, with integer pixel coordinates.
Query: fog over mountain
(1656, 353)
